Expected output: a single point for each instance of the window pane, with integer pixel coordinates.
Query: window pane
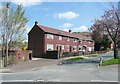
(49, 46)
(60, 37)
(50, 36)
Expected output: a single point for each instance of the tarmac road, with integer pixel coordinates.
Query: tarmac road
(78, 72)
(67, 73)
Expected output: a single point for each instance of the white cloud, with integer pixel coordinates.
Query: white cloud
(67, 25)
(67, 15)
(26, 3)
(80, 29)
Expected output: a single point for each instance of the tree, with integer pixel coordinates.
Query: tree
(12, 26)
(102, 41)
(109, 24)
(106, 42)
(97, 37)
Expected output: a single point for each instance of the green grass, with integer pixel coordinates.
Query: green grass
(111, 62)
(93, 55)
(78, 58)
(74, 59)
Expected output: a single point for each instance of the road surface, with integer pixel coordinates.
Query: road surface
(78, 72)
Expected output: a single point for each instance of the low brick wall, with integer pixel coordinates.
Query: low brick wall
(24, 55)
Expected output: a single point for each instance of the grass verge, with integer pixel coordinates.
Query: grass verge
(93, 55)
(83, 57)
(76, 58)
(111, 62)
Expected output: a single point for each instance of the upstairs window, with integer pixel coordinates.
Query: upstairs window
(75, 40)
(60, 37)
(68, 39)
(50, 36)
(83, 41)
(80, 41)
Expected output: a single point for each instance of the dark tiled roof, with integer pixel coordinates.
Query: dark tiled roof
(56, 31)
(63, 33)
(84, 35)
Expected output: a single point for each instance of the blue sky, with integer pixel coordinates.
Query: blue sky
(77, 16)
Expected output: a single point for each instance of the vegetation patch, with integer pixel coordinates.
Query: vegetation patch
(111, 62)
(93, 55)
(76, 58)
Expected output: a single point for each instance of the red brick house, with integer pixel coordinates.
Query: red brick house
(85, 41)
(42, 39)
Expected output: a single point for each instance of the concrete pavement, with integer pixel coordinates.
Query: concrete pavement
(30, 65)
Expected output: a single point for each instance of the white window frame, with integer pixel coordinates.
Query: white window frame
(68, 39)
(50, 36)
(80, 48)
(75, 47)
(75, 40)
(63, 47)
(50, 47)
(90, 49)
(80, 41)
(68, 47)
(89, 41)
(60, 37)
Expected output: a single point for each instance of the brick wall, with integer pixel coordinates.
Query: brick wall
(36, 41)
(64, 42)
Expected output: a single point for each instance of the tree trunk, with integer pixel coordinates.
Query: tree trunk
(115, 51)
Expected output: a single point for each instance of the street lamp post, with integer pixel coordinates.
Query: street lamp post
(6, 57)
(58, 46)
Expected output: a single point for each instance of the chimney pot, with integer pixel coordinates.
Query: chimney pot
(69, 31)
(36, 22)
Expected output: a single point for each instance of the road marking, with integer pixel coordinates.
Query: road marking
(53, 80)
(17, 81)
(103, 81)
(40, 80)
(89, 69)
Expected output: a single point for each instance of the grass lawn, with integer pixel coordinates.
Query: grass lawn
(111, 62)
(93, 55)
(76, 58)
(83, 57)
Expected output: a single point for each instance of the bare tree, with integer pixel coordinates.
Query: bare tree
(12, 27)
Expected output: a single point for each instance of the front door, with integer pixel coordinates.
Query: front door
(70, 49)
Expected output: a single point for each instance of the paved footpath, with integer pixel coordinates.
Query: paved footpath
(30, 65)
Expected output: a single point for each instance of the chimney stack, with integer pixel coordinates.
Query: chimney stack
(36, 23)
(69, 31)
